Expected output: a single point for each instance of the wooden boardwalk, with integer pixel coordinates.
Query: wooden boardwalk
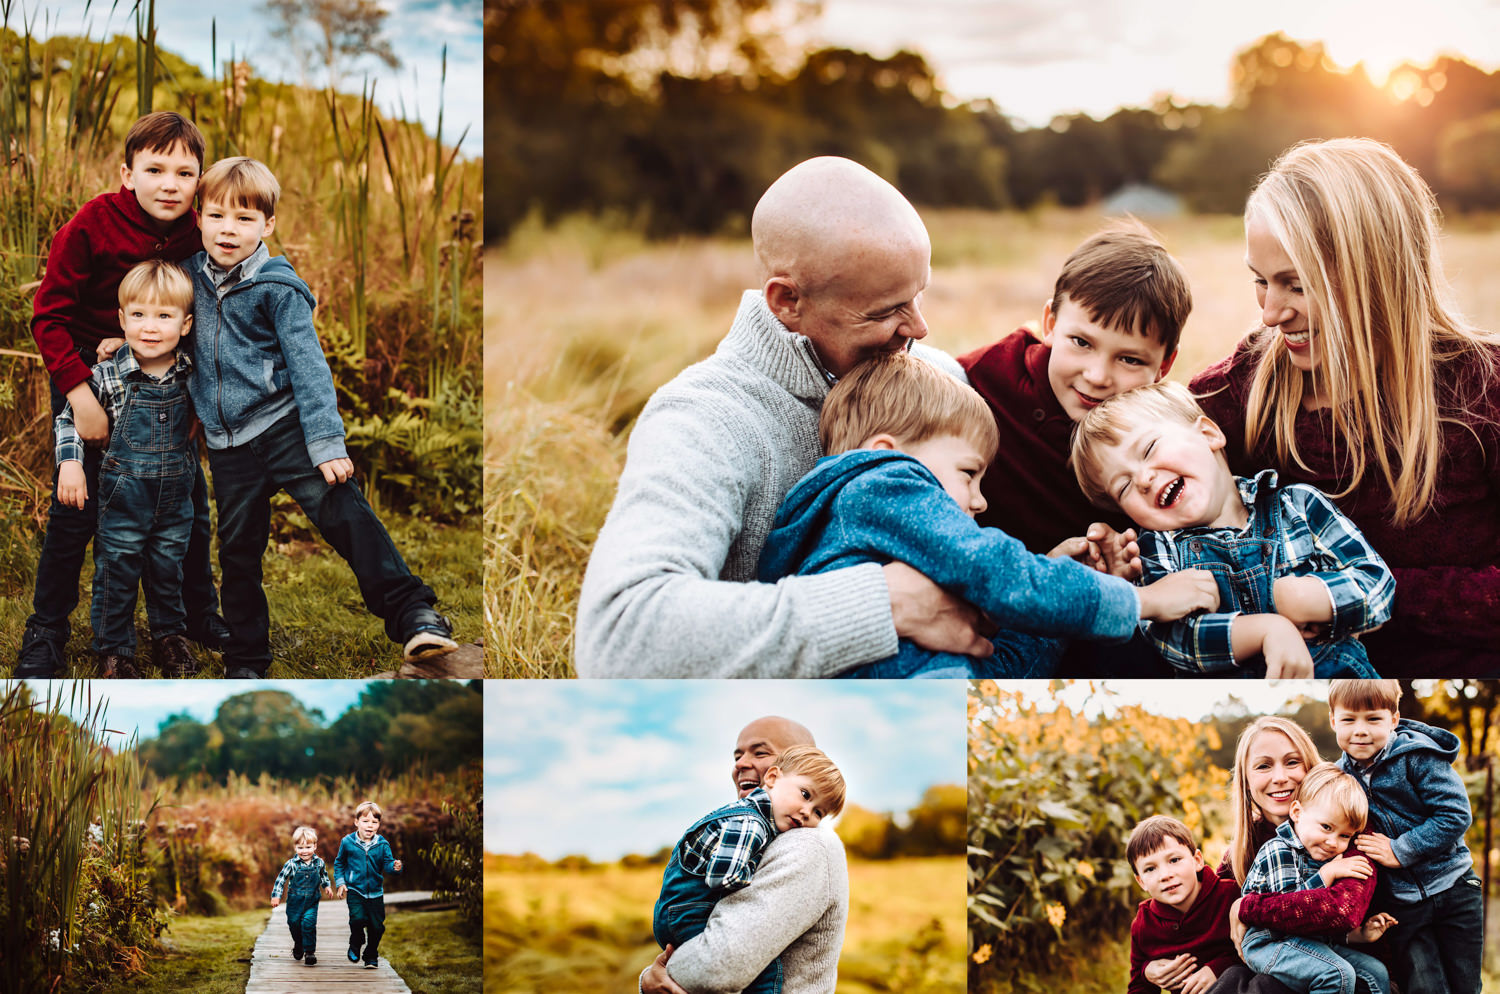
(273, 971)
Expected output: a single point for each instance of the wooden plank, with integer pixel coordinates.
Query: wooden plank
(273, 971)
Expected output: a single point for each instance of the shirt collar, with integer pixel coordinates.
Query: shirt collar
(243, 270)
(126, 365)
(760, 799)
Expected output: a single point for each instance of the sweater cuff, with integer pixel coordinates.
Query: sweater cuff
(854, 615)
(1119, 609)
(326, 449)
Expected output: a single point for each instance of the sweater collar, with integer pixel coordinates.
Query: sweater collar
(126, 203)
(760, 340)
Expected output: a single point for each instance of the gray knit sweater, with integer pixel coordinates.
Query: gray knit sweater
(796, 906)
(668, 590)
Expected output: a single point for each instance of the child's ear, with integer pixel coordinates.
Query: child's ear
(1166, 366)
(270, 227)
(883, 441)
(121, 312)
(1198, 856)
(1211, 431)
(1049, 321)
(769, 778)
(187, 324)
(1296, 810)
(126, 177)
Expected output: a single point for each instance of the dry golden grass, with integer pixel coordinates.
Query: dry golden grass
(583, 322)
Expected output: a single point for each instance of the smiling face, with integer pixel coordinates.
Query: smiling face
(1090, 363)
(232, 233)
(1273, 772)
(958, 465)
(366, 824)
(1170, 475)
(757, 747)
(1362, 734)
(153, 330)
(164, 181)
(1170, 874)
(1284, 305)
(795, 801)
(1325, 832)
(305, 847)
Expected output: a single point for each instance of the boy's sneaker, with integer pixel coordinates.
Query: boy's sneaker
(311, 960)
(425, 634)
(372, 966)
(115, 667)
(243, 673)
(296, 952)
(41, 654)
(210, 631)
(353, 955)
(175, 656)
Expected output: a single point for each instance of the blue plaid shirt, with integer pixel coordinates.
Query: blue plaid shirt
(1316, 540)
(1282, 865)
(290, 865)
(726, 852)
(108, 383)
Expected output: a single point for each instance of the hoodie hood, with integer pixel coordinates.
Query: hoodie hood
(1414, 736)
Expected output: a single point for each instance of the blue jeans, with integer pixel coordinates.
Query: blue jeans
(302, 921)
(1313, 967)
(245, 477)
(69, 532)
(1017, 656)
(366, 924)
(1439, 941)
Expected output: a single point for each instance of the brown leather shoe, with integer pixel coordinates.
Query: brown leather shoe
(175, 656)
(113, 667)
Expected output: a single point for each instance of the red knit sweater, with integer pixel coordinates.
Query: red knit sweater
(1319, 911)
(1162, 932)
(1447, 564)
(77, 305)
(1032, 494)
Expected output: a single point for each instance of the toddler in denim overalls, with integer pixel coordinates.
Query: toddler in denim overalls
(1296, 579)
(146, 479)
(304, 878)
(720, 852)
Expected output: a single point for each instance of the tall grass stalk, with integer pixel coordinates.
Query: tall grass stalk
(145, 54)
(353, 148)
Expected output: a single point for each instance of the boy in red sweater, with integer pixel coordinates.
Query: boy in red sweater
(1187, 913)
(77, 306)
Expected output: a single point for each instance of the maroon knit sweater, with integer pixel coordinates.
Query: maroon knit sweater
(77, 306)
(1162, 932)
(1032, 494)
(1319, 911)
(1447, 564)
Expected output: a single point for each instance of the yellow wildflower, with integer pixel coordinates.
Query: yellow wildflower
(982, 954)
(1056, 914)
(1085, 869)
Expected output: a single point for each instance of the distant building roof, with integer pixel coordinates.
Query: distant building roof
(1142, 200)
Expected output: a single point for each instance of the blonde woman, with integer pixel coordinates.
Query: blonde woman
(1366, 382)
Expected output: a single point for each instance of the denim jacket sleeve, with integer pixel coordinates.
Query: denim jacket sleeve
(1199, 643)
(312, 383)
(1358, 580)
(387, 858)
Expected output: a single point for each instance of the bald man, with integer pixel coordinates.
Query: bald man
(669, 590)
(794, 907)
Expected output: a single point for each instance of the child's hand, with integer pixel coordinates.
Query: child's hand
(89, 419)
(1171, 973)
(1201, 980)
(397, 865)
(337, 470)
(72, 485)
(1116, 553)
(1179, 594)
(1378, 848)
(275, 901)
(1304, 601)
(1372, 930)
(343, 889)
(1285, 652)
(1347, 865)
(107, 348)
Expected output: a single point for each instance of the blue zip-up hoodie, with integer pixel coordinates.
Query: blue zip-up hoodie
(1419, 801)
(256, 358)
(361, 870)
(881, 506)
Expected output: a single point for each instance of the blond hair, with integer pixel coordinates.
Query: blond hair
(1364, 695)
(1123, 278)
(1153, 834)
(1361, 229)
(1337, 789)
(900, 395)
(304, 832)
(367, 806)
(813, 763)
(157, 281)
(1107, 425)
(1245, 813)
(240, 181)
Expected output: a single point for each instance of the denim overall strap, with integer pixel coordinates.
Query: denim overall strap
(150, 435)
(303, 893)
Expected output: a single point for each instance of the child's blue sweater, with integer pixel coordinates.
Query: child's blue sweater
(881, 506)
(361, 870)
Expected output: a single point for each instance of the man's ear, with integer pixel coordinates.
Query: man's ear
(784, 300)
(1166, 366)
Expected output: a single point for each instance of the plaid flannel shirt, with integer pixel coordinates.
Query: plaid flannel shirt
(726, 852)
(1316, 538)
(108, 383)
(290, 865)
(1282, 865)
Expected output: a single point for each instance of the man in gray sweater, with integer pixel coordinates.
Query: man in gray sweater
(669, 589)
(795, 906)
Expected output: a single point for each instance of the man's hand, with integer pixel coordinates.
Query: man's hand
(1373, 929)
(397, 865)
(89, 419)
(1171, 973)
(1378, 848)
(336, 470)
(275, 901)
(1347, 865)
(1179, 594)
(72, 485)
(1202, 979)
(1116, 553)
(107, 348)
(930, 616)
(656, 980)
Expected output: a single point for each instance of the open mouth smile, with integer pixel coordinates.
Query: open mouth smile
(1171, 493)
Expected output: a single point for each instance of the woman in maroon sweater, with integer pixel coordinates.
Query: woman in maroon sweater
(1365, 382)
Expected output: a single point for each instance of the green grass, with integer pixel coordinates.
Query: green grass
(202, 955)
(319, 625)
(434, 951)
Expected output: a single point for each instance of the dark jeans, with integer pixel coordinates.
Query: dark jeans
(302, 921)
(245, 477)
(366, 922)
(1439, 941)
(144, 527)
(69, 531)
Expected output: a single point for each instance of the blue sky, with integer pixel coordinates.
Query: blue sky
(607, 768)
(139, 706)
(417, 30)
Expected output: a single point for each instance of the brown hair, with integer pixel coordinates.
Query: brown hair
(1108, 423)
(240, 181)
(813, 763)
(160, 132)
(367, 806)
(1153, 834)
(1123, 278)
(158, 281)
(1364, 695)
(898, 394)
(1345, 795)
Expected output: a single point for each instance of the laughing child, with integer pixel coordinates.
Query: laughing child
(359, 876)
(303, 878)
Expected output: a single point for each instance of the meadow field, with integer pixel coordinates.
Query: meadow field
(587, 930)
(585, 318)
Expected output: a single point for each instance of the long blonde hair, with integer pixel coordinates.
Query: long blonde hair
(1245, 811)
(1361, 228)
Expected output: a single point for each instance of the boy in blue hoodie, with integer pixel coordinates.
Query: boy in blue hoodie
(907, 446)
(1419, 812)
(262, 389)
(359, 876)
